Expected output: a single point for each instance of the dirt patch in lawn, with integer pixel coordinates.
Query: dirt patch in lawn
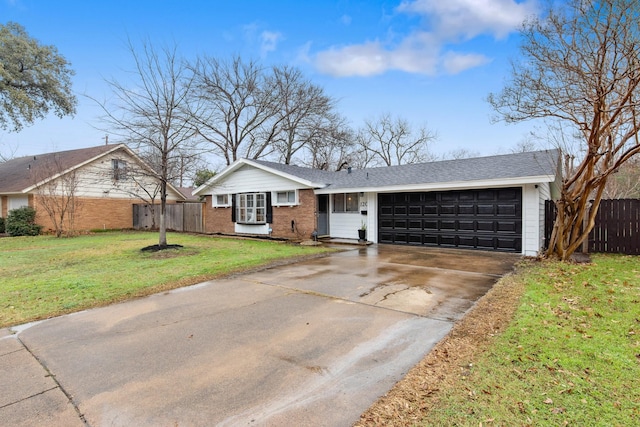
(450, 360)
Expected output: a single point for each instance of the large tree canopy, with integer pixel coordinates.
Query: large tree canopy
(580, 67)
(34, 80)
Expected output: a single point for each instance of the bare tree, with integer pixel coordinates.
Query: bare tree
(625, 182)
(460, 153)
(391, 141)
(581, 67)
(152, 113)
(182, 164)
(233, 108)
(526, 144)
(333, 148)
(305, 114)
(57, 196)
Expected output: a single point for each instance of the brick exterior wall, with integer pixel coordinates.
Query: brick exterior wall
(93, 213)
(218, 220)
(303, 216)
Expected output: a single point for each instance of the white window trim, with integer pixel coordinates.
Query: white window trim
(274, 198)
(251, 212)
(214, 201)
(345, 211)
(119, 170)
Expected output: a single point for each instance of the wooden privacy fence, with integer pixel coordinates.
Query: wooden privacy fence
(617, 227)
(186, 217)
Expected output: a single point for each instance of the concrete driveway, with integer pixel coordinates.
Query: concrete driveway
(312, 343)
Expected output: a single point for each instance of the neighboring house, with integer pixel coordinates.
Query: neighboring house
(489, 203)
(105, 181)
(187, 193)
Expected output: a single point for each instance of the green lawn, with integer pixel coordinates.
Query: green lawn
(44, 276)
(571, 355)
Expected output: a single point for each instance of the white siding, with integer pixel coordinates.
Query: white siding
(96, 180)
(372, 217)
(544, 190)
(252, 228)
(248, 179)
(531, 220)
(345, 225)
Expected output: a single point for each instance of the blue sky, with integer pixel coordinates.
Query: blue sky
(432, 62)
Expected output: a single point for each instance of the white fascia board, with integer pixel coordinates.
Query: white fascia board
(217, 177)
(442, 186)
(241, 162)
(290, 177)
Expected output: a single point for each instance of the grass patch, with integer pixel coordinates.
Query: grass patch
(44, 276)
(570, 356)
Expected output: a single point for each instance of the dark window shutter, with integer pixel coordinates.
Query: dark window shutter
(269, 209)
(233, 208)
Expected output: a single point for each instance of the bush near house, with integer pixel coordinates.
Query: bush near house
(2, 225)
(22, 222)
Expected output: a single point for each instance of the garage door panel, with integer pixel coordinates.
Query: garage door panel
(487, 210)
(447, 225)
(507, 210)
(466, 225)
(415, 224)
(487, 226)
(508, 227)
(467, 241)
(430, 225)
(481, 219)
(386, 224)
(448, 209)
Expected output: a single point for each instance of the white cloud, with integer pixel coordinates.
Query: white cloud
(428, 50)
(345, 19)
(470, 18)
(362, 60)
(454, 63)
(269, 41)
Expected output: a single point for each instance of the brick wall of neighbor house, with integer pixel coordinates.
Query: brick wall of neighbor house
(217, 220)
(95, 213)
(303, 215)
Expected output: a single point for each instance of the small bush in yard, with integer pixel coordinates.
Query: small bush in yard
(21, 222)
(1, 225)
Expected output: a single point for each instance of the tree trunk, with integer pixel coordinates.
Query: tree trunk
(162, 238)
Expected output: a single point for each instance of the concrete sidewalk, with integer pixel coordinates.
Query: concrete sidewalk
(314, 343)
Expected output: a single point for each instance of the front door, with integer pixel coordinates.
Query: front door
(323, 214)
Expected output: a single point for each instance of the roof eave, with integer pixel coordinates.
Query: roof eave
(241, 162)
(440, 186)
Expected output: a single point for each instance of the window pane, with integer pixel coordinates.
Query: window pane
(281, 197)
(260, 200)
(352, 202)
(291, 196)
(338, 202)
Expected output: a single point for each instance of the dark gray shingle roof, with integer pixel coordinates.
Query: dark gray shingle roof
(506, 166)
